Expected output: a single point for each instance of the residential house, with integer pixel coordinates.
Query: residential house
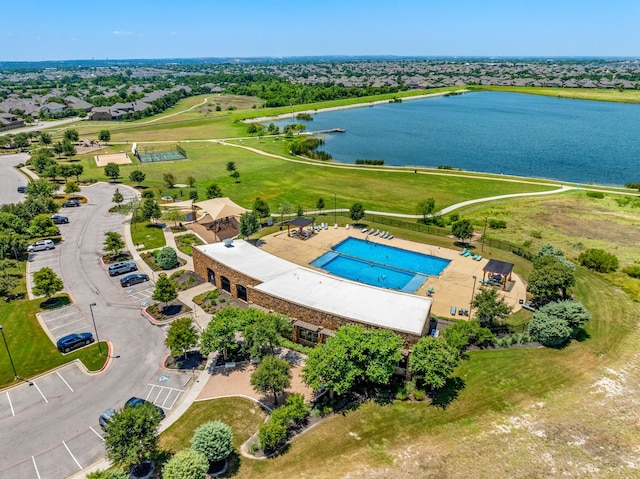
(9, 121)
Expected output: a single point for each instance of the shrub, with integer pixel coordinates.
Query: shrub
(419, 394)
(536, 234)
(271, 433)
(497, 224)
(167, 258)
(598, 260)
(214, 440)
(187, 464)
(554, 323)
(595, 194)
(633, 271)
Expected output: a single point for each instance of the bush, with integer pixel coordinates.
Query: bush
(598, 260)
(271, 434)
(595, 194)
(187, 464)
(554, 323)
(419, 394)
(633, 271)
(497, 224)
(214, 440)
(167, 258)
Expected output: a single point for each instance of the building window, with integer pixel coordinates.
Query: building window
(211, 275)
(310, 336)
(241, 292)
(225, 284)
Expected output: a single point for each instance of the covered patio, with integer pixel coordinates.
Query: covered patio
(299, 225)
(220, 217)
(499, 273)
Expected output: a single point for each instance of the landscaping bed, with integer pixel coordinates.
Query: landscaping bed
(212, 301)
(117, 258)
(171, 310)
(150, 259)
(192, 360)
(186, 279)
(186, 242)
(56, 302)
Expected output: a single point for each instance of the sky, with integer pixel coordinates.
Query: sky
(117, 29)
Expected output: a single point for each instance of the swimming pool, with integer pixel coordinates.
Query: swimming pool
(380, 265)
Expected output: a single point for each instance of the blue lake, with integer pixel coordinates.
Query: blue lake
(575, 141)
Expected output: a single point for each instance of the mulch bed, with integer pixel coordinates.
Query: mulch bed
(193, 360)
(172, 309)
(186, 279)
(150, 259)
(118, 258)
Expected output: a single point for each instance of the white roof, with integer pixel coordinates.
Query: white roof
(362, 303)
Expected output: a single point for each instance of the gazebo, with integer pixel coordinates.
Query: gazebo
(220, 210)
(299, 223)
(499, 272)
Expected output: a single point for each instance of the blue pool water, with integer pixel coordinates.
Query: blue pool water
(380, 265)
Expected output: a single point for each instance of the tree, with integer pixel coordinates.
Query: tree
(320, 205)
(463, 230)
(426, 208)
(272, 433)
(220, 333)
(214, 440)
(181, 336)
(71, 135)
(249, 224)
(40, 189)
(273, 129)
(463, 333)
(191, 181)
(491, 308)
(165, 290)
(432, 361)
(71, 188)
(167, 258)
(186, 464)
(285, 208)
(21, 141)
(252, 129)
(113, 242)
(41, 225)
(173, 215)
(7, 281)
(45, 138)
(550, 279)
(235, 175)
(231, 166)
(356, 212)
(273, 374)
(193, 195)
(169, 179)
(261, 208)
(117, 198)
(131, 436)
(112, 170)
(263, 336)
(46, 283)
(58, 148)
(355, 356)
(108, 474)
(150, 209)
(104, 136)
(598, 260)
(137, 176)
(51, 172)
(554, 323)
(68, 149)
(214, 191)
(76, 170)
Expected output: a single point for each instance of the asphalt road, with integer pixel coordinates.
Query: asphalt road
(35, 440)
(11, 178)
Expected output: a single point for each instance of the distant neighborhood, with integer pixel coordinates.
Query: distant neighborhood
(108, 93)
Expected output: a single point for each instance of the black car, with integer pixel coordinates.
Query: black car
(22, 189)
(59, 219)
(133, 279)
(74, 341)
(134, 401)
(122, 268)
(72, 203)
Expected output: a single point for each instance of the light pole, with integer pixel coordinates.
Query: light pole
(484, 234)
(95, 328)
(15, 374)
(335, 221)
(473, 291)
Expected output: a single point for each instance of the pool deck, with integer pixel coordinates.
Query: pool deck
(452, 288)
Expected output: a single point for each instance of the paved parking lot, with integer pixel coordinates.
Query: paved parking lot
(67, 320)
(45, 259)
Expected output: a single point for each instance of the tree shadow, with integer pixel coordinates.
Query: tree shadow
(449, 393)
(581, 335)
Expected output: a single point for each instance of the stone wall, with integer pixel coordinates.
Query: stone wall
(201, 262)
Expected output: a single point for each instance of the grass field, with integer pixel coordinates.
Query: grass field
(148, 235)
(624, 96)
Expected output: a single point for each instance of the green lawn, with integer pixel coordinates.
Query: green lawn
(148, 235)
(32, 351)
(625, 96)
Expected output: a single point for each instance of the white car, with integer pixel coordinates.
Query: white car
(41, 245)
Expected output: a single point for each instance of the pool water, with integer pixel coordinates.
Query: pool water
(380, 265)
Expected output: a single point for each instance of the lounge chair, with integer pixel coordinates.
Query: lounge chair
(478, 258)
(468, 253)
(453, 310)
(335, 226)
(463, 251)
(384, 234)
(430, 291)
(390, 237)
(475, 256)
(346, 226)
(364, 230)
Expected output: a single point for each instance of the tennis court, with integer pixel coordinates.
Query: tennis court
(160, 156)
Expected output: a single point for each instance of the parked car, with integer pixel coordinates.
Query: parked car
(59, 219)
(41, 245)
(121, 268)
(74, 341)
(22, 189)
(105, 417)
(72, 203)
(133, 279)
(134, 401)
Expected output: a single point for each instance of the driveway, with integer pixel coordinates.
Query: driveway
(11, 178)
(50, 428)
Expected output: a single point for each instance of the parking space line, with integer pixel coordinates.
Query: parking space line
(66, 324)
(71, 313)
(72, 456)
(45, 399)
(63, 380)
(10, 404)
(96, 433)
(35, 466)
